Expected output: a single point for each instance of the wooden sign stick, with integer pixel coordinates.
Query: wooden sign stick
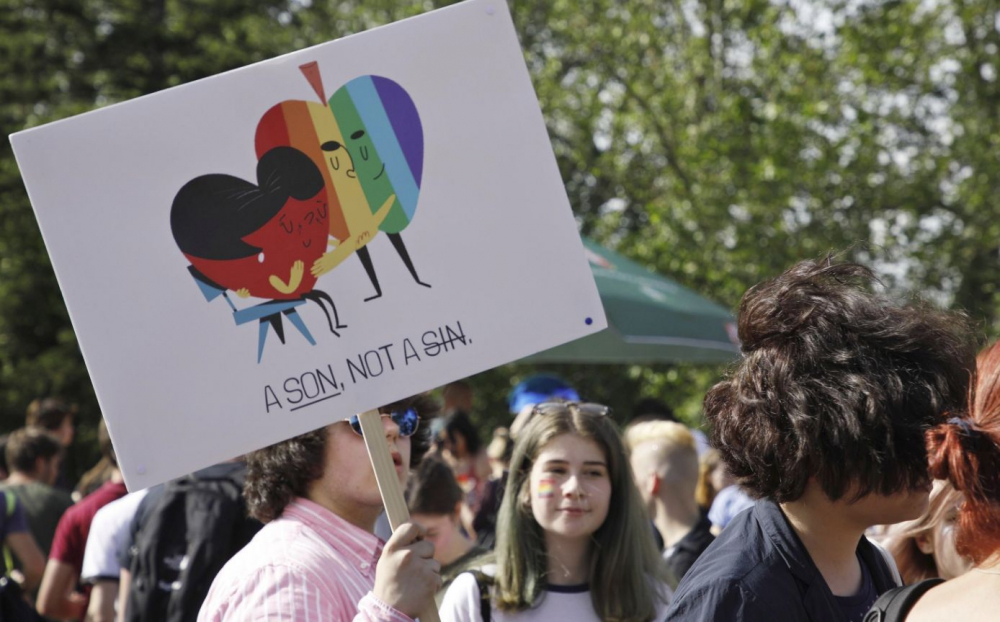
(388, 482)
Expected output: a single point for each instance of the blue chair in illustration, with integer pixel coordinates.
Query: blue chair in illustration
(267, 314)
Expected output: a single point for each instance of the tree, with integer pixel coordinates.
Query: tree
(719, 142)
(715, 141)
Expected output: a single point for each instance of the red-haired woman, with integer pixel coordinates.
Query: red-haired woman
(966, 452)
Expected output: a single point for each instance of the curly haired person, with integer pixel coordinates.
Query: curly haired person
(317, 557)
(823, 421)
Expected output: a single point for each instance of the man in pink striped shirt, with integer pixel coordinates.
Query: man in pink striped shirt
(317, 558)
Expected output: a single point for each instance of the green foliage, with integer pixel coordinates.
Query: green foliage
(719, 142)
(715, 141)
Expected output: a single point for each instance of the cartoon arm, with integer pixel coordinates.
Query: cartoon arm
(331, 259)
(343, 250)
(384, 211)
(294, 279)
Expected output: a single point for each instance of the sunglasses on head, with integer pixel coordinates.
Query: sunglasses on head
(407, 420)
(587, 408)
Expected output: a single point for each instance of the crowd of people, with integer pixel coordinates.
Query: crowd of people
(850, 471)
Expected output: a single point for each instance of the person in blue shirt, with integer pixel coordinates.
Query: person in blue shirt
(18, 544)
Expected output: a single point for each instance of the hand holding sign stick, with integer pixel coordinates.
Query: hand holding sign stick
(388, 483)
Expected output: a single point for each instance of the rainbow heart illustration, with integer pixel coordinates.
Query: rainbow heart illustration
(332, 175)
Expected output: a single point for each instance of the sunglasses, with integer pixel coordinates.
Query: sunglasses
(407, 420)
(587, 408)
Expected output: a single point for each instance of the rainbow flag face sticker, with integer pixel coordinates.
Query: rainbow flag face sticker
(546, 489)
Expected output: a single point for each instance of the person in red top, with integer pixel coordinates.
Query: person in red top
(59, 596)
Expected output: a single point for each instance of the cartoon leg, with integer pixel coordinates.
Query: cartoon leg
(320, 294)
(318, 297)
(266, 322)
(278, 327)
(296, 319)
(397, 241)
(312, 296)
(366, 261)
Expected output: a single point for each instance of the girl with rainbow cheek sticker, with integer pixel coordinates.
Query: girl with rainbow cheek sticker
(570, 494)
(573, 537)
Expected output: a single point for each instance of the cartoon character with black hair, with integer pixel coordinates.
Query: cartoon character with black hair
(256, 240)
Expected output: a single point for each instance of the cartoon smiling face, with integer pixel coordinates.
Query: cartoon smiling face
(385, 140)
(311, 128)
(341, 167)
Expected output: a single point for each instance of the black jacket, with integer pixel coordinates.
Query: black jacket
(758, 570)
(689, 548)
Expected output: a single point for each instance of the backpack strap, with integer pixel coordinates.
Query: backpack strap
(890, 562)
(896, 603)
(484, 582)
(10, 504)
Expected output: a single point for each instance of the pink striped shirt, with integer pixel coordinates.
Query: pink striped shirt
(310, 565)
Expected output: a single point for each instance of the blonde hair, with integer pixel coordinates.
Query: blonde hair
(501, 445)
(671, 434)
(704, 492)
(901, 539)
(666, 448)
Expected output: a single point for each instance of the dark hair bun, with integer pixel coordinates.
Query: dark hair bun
(838, 384)
(810, 294)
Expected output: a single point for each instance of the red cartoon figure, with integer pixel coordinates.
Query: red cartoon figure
(258, 240)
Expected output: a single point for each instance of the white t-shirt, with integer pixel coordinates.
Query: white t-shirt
(462, 604)
(108, 533)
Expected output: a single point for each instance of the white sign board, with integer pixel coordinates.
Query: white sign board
(254, 255)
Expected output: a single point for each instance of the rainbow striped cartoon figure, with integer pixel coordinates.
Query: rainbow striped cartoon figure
(368, 141)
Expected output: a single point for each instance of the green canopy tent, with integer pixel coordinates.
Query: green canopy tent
(651, 319)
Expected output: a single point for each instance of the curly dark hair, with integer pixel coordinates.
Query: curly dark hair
(837, 383)
(283, 471)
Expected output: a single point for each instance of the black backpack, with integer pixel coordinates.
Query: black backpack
(193, 530)
(896, 603)
(13, 606)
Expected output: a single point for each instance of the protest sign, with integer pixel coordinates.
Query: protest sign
(254, 255)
